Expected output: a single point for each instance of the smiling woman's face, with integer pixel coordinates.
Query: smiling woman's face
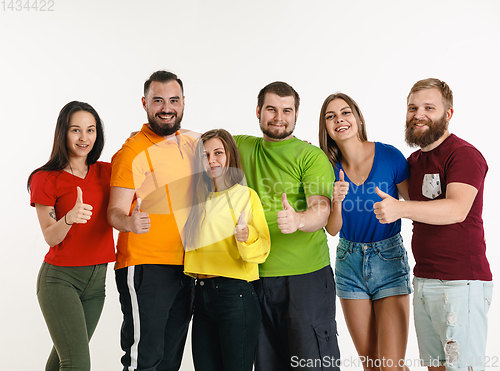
(81, 134)
(340, 122)
(215, 159)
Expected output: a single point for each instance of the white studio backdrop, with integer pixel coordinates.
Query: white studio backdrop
(101, 52)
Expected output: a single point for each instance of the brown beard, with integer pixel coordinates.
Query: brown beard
(272, 135)
(436, 130)
(164, 130)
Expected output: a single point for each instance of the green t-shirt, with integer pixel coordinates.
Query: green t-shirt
(300, 170)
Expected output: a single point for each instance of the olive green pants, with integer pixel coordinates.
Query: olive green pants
(71, 300)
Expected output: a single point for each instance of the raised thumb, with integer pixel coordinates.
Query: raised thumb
(341, 175)
(138, 205)
(381, 194)
(79, 195)
(241, 219)
(284, 201)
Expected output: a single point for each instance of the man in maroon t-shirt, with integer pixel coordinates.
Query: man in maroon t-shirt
(452, 281)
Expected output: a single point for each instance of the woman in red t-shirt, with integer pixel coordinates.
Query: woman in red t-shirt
(70, 193)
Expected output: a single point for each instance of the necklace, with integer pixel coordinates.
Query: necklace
(85, 175)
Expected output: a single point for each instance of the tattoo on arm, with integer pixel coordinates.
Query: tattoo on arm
(52, 214)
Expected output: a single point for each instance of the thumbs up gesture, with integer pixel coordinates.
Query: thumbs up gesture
(388, 210)
(241, 228)
(287, 218)
(139, 221)
(340, 188)
(81, 212)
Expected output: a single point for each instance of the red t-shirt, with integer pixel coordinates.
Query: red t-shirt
(85, 244)
(455, 251)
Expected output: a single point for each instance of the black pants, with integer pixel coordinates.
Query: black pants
(226, 325)
(298, 331)
(156, 302)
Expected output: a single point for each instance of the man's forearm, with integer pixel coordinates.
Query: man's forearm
(450, 210)
(118, 219)
(314, 218)
(436, 212)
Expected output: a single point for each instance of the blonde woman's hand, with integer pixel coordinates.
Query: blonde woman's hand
(241, 229)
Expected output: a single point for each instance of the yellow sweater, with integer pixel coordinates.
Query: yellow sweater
(219, 253)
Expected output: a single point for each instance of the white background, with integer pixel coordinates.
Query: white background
(101, 52)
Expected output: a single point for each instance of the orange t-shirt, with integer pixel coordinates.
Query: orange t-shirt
(160, 171)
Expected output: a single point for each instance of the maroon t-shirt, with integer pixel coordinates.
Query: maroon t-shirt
(455, 251)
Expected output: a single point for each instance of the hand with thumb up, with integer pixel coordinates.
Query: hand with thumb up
(241, 228)
(139, 221)
(389, 209)
(340, 188)
(287, 218)
(81, 212)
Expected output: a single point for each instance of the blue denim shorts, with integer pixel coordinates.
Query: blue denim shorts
(372, 270)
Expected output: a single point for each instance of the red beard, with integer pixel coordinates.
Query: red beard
(425, 138)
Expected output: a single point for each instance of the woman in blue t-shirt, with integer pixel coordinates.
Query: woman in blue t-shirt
(372, 272)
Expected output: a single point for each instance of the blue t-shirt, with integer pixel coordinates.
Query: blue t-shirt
(359, 221)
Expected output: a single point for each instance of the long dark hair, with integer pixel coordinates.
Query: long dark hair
(326, 143)
(203, 184)
(59, 158)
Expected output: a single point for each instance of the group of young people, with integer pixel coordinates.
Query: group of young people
(231, 230)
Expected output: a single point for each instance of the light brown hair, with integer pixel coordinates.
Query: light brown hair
(432, 83)
(203, 184)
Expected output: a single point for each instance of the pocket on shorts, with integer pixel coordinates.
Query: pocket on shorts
(488, 295)
(392, 253)
(326, 336)
(342, 253)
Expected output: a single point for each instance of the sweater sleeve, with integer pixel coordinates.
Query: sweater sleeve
(257, 247)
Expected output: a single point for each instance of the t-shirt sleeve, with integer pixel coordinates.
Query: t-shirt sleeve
(238, 139)
(318, 177)
(242, 141)
(122, 174)
(43, 190)
(466, 165)
(105, 168)
(401, 169)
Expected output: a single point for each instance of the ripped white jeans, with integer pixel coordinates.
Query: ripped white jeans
(451, 322)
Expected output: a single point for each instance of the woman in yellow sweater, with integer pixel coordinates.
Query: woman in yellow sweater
(226, 238)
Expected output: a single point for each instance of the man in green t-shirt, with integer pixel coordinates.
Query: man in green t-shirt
(297, 292)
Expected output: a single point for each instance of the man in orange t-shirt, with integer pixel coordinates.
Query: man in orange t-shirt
(150, 179)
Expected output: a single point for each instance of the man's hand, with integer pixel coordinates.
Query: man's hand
(287, 218)
(139, 221)
(340, 188)
(241, 229)
(81, 212)
(388, 210)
